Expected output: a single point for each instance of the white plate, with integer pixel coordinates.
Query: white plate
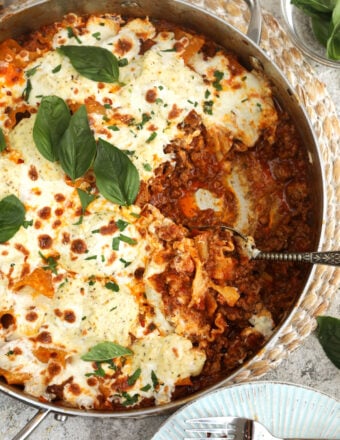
(286, 410)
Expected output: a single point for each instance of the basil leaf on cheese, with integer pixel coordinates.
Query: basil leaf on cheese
(328, 333)
(95, 63)
(52, 120)
(2, 140)
(77, 146)
(117, 177)
(104, 351)
(85, 200)
(12, 217)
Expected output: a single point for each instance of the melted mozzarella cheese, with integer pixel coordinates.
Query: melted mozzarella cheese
(172, 357)
(97, 293)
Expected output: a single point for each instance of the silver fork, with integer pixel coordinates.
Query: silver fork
(236, 428)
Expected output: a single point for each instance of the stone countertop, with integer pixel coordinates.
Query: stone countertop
(307, 365)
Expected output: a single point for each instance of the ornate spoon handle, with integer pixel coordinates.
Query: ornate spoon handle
(330, 258)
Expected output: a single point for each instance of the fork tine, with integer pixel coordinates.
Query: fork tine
(210, 430)
(213, 420)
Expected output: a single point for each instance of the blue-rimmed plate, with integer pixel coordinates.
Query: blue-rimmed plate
(285, 409)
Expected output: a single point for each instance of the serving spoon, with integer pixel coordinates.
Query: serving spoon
(330, 258)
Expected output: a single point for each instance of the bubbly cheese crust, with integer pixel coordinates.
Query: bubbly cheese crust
(64, 286)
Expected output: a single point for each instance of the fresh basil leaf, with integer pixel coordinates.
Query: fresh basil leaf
(77, 147)
(53, 118)
(12, 217)
(95, 63)
(315, 6)
(105, 351)
(328, 333)
(321, 29)
(333, 44)
(85, 199)
(2, 140)
(116, 176)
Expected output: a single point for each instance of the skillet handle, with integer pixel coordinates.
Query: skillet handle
(255, 24)
(32, 424)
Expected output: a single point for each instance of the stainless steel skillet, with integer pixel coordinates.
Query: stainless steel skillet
(28, 15)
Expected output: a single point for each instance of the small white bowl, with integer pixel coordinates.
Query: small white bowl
(300, 29)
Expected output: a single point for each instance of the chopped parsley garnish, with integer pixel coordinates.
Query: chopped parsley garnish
(97, 35)
(151, 137)
(218, 78)
(92, 280)
(154, 378)
(112, 286)
(51, 263)
(133, 379)
(2, 140)
(129, 400)
(27, 223)
(32, 71)
(128, 240)
(113, 127)
(71, 34)
(99, 371)
(169, 50)
(122, 224)
(116, 241)
(145, 119)
(126, 263)
(56, 69)
(27, 90)
(207, 107)
(147, 167)
(123, 62)
(135, 214)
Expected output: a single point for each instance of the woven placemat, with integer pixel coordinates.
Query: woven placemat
(321, 110)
